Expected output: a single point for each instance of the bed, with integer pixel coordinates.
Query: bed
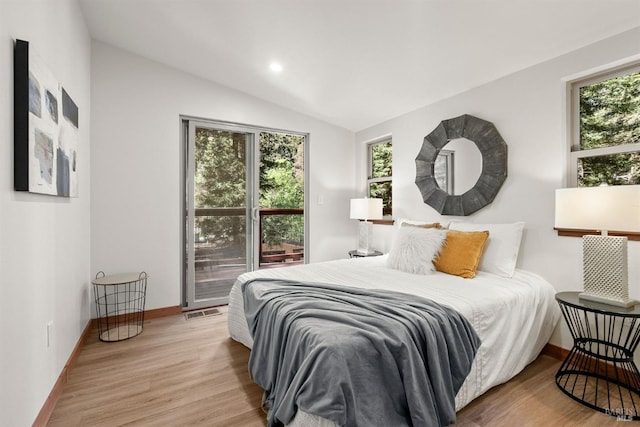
(513, 316)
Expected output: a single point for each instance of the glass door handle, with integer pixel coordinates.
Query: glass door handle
(255, 213)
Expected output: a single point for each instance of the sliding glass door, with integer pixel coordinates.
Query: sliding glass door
(218, 217)
(281, 199)
(244, 206)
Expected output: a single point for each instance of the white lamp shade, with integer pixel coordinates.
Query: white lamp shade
(610, 208)
(366, 209)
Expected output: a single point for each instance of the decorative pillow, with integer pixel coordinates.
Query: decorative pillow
(404, 221)
(461, 253)
(414, 249)
(501, 254)
(427, 225)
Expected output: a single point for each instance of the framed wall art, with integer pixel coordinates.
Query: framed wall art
(45, 129)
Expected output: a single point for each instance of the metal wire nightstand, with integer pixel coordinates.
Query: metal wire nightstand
(120, 300)
(599, 371)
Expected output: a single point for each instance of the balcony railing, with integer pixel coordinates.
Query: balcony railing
(220, 260)
(289, 249)
(212, 251)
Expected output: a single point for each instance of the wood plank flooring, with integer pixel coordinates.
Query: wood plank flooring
(182, 372)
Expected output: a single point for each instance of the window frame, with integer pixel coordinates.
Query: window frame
(573, 88)
(573, 134)
(370, 179)
(447, 157)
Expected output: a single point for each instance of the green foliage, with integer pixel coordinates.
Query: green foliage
(381, 156)
(277, 229)
(610, 116)
(382, 190)
(281, 188)
(614, 169)
(275, 147)
(220, 169)
(381, 167)
(610, 112)
(220, 182)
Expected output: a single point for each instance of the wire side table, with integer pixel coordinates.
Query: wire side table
(120, 300)
(599, 370)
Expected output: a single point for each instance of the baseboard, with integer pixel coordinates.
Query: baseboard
(555, 351)
(49, 405)
(156, 313)
(162, 312)
(56, 391)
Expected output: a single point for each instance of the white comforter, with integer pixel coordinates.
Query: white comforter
(513, 317)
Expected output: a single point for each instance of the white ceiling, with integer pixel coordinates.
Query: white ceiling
(355, 63)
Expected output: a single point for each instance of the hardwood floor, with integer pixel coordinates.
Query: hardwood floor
(182, 372)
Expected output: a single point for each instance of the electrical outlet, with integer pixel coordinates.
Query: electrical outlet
(49, 333)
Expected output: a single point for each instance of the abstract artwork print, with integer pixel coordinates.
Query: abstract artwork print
(46, 129)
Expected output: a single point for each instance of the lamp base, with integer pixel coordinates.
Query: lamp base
(365, 230)
(605, 271)
(603, 300)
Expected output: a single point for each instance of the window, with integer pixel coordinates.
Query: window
(443, 170)
(380, 172)
(605, 125)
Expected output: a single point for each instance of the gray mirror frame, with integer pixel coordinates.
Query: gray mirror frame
(494, 165)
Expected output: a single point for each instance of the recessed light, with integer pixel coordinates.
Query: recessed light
(276, 67)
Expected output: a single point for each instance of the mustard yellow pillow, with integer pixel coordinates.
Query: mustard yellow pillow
(460, 255)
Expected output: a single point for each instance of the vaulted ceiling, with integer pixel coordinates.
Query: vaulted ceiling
(355, 63)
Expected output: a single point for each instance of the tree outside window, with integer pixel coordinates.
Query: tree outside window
(606, 123)
(380, 172)
(282, 186)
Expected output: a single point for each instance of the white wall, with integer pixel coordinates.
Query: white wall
(528, 109)
(136, 206)
(44, 240)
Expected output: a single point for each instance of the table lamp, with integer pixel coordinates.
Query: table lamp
(603, 209)
(364, 210)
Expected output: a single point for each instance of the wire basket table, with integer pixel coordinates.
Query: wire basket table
(599, 370)
(120, 300)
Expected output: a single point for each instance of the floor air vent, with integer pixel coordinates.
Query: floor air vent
(202, 313)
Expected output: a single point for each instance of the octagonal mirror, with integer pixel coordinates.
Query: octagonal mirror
(436, 180)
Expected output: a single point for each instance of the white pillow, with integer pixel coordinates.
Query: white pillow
(415, 248)
(501, 253)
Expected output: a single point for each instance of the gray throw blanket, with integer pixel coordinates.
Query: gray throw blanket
(355, 356)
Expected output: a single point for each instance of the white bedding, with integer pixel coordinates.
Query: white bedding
(514, 317)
